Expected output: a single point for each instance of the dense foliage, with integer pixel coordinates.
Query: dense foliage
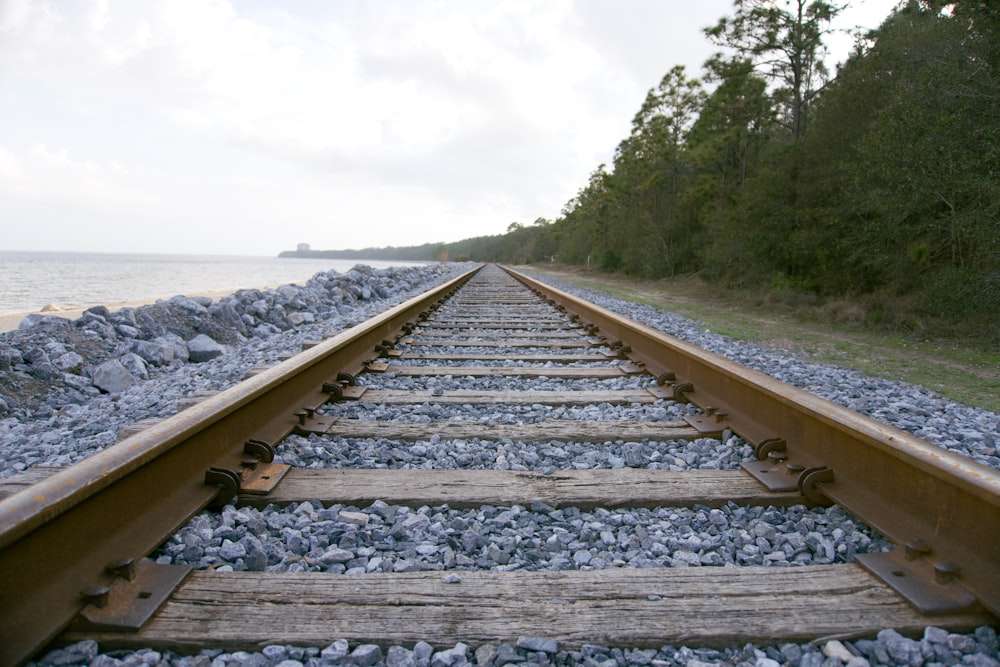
(881, 184)
(885, 182)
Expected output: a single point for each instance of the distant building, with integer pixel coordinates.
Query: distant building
(302, 247)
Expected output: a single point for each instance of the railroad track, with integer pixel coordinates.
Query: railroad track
(74, 542)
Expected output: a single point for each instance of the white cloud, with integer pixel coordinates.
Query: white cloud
(347, 124)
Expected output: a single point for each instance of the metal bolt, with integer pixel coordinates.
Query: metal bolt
(778, 455)
(794, 468)
(945, 572)
(97, 595)
(123, 567)
(916, 548)
(301, 414)
(310, 412)
(665, 377)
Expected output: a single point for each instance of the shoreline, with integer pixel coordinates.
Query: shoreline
(10, 321)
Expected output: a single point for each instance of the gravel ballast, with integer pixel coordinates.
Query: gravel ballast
(58, 420)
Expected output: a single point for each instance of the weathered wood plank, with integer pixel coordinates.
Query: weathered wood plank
(475, 397)
(451, 332)
(553, 343)
(628, 487)
(488, 324)
(500, 299)
(701, 606)
(499, 319)
(597, 372)
(554, 358)
(567, 430)
(496, 308)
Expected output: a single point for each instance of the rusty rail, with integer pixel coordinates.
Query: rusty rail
(941, 508)
(70, 539)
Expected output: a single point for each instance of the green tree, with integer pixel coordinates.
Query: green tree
(651, 175)
(735, 121)
(580, 225)
(785, 45)
(927, 170)
(724, 145)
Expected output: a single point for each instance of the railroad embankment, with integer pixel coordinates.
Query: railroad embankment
(51, 363)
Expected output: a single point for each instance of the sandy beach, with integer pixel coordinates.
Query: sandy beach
(9, 321)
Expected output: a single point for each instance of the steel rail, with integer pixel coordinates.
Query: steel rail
(70, 532)
(941, 508)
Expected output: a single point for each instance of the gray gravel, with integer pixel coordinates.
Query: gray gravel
(962, 429)
(58, 422)
(492, 415)
(388, 538)
(935, 647)
(352, 540)
(436, 452)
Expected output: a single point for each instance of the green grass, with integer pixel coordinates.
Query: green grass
(962, 372)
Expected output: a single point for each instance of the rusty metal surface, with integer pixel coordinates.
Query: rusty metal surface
(58, 536)
(262, 479)
(927, 594)
(907, 488)
(132, 599)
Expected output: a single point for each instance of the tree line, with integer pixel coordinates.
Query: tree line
(880, 183)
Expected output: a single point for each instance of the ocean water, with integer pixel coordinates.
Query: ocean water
(29, 281)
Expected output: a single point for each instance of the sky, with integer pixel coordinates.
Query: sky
(246, 127)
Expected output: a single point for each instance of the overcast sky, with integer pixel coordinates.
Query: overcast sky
(246, 127)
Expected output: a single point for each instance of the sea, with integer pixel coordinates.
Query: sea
(30, 281)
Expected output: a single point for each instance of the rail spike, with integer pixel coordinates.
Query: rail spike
(263, 451)
(665, 378)
(768, 445)
(809, 485)
(228, 483)
(681, 390)
(335, 389)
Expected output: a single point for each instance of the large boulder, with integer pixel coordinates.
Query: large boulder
(299, 318)
(100, 311)
(193, 305)
(179, 345)
(94, 321)
(111, 377)
(77, 382)
(156, 352)
(227, 316)
(41, 365)
(68, 362)
(278, 318)
(135, 365)
(44, 323)
(202, 348)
